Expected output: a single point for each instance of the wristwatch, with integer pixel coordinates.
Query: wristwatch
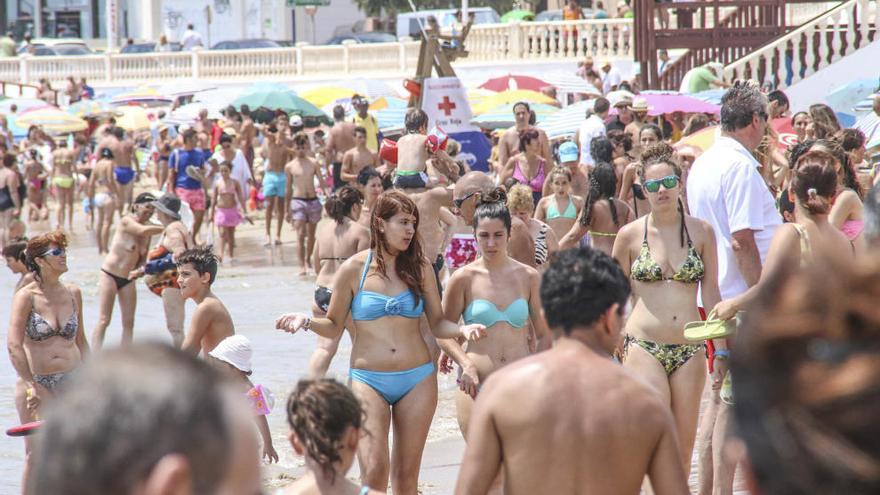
(308, 324)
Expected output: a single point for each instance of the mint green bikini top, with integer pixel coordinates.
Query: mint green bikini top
(553, 211)
(486, 313)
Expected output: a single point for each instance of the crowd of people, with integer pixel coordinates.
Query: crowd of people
(569, 271)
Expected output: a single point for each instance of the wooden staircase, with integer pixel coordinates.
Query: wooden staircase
(712, 31)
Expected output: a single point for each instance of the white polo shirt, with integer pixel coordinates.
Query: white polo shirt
(590, 129)
(725, 189)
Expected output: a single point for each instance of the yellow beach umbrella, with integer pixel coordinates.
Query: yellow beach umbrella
(701, 139)
(51, 119)
(384, 102)
(325, 95)
(477, 96)
(511, 96)
(134, 118)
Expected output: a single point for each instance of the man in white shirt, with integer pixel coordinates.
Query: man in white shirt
(611, 77)
(190, 39)
(592, 128)
(725, 189)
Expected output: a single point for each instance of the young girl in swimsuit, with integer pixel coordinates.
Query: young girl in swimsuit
(229, 209)
(560, 209)
(326, 422)
(499, 293)
(519, 200)
(335, 243)
(603, 214)
(386, 290)
(528, 167)
(669, 256)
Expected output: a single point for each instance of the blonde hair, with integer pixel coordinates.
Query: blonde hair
(520, 198)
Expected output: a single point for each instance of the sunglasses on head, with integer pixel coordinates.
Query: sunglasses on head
(460, 201)
(668, 182)
(54, 252)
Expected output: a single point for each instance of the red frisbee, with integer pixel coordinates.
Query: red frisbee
(25, 429)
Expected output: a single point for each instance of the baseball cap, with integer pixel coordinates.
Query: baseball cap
(568, 152)
(296, 121)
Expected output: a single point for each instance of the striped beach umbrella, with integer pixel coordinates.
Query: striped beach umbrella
(511, 96)
(150, 97)
(565, 122)
(90, 108)
(502, 115)
(51, 119)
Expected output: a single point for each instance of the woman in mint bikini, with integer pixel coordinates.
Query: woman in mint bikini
(669, 256)
(497, 292)
(560, 209)
(391, 368)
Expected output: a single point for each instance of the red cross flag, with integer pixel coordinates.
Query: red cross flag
(445, 101)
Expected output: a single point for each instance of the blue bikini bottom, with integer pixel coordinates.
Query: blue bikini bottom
(393, 385)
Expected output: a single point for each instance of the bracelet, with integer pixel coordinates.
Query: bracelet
(721, 353)
(308, 324)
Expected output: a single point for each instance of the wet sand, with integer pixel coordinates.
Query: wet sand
(260, 284)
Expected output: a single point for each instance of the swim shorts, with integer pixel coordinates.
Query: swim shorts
(274, 184)
(410, 180)
(124, 175)
(195, 198)
(462, 250)
(305, 209)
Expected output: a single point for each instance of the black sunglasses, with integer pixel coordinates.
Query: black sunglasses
(460, 201)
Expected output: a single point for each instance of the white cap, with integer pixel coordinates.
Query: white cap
(296, 121)
(235, 350)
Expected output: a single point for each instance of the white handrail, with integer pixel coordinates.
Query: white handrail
(610, 38)
(789, 67)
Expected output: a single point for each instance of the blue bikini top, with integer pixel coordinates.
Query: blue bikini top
(369, 305)
(486, 313)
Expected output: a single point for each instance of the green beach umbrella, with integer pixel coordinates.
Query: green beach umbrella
(282, 100)
(518, 15)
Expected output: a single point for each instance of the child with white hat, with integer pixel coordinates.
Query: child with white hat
(233, 354)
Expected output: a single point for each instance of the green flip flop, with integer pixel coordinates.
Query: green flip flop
(699, 331)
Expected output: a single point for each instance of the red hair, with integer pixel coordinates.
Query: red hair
(409, 262)
(38, 246)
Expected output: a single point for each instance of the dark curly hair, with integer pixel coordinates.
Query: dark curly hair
(340, 203)
(319, 413)
(579, 286)
(601, 150)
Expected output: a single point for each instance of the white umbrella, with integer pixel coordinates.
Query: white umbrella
(565, 122)
(182, 87)
(566, 82)
(187, 114)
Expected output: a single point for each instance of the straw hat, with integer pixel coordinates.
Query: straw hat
(639, 105)
(236, 351)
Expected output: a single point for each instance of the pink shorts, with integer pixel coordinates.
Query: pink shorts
(227, 217)
(462, 250)
(195, 198)
(305, 210)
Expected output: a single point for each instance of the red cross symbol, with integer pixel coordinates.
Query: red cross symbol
(447, 106)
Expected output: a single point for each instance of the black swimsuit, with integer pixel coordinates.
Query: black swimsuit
(5, 199)
(120, 281)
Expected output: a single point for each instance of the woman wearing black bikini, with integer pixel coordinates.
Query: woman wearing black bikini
(386, 291)
(669, 256)
(45, 339)
(335, 243)
(131, 241)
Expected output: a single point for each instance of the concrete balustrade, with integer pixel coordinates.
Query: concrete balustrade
(488, 43)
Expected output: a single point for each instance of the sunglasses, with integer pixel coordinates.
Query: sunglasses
(460, 201)
(668, 182)
(55, 252)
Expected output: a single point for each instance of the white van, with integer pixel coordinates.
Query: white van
(411, 23)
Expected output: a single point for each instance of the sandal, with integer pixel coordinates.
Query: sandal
(699, 331)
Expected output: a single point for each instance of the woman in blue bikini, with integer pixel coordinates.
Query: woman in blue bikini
(560, 209)
(498, 292)
(391, 369)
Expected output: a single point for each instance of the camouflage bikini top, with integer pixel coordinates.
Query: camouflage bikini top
(645, 269)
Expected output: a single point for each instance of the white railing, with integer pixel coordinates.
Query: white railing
(552, 40)
(611, 38)
(816, 44)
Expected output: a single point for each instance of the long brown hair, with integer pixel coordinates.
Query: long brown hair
(409, 263)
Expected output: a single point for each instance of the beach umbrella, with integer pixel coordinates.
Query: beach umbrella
(90, 108)
(518, 15)
(22, 104)
(844, 98)
(322, 96)
(218, 99)
(142, 96)
(660, 103)
(372, 88)
(502, 115)
(870, 126)
(135, 118)
(51, 119)
(185, 87)
(384, 102)
(284, 101)
(566, 122)
(477, 96)
(514, 82)
(391, 118)
(262, 86)
(566, 82)
(187, 114)
(511, 96)
(702, 139)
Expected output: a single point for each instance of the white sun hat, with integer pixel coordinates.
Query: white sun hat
(235, 350)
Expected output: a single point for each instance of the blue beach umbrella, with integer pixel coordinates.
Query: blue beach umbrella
(502, 115)
(565, 122)
(843, 99)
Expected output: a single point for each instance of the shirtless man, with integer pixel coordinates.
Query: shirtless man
(305, 207)
(357, 158)
(274, 183)
(247, 133)
(127, 169)
(508, 145)
(211, 323)
(63, 167)
(127, 251)
(340, 141)
(517, 422)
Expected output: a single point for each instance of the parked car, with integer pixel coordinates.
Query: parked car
(249, 44)
(371, 37)
(410, 23)
(556, 15)
(148, 47)
(66, 47)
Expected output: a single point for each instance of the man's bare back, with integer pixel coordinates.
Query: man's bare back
(341, 140)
